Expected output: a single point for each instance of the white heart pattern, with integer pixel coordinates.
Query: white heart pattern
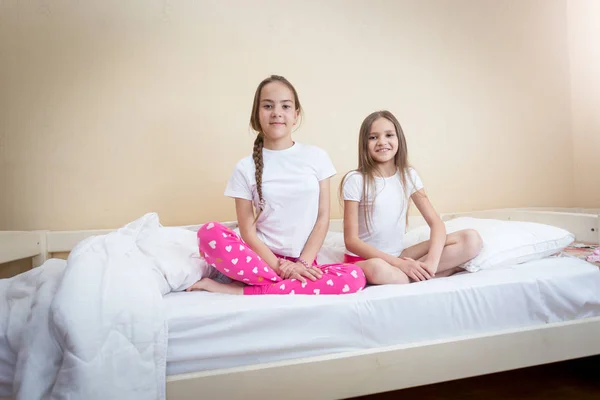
(338, 274)
(248, 259)
(242, 273)
(274, 279)
(213, 244)
(241, 247)
(266, 269)
(354, 273)
(346, 288)
(228, 248)
(226, 269)
(224, 234)
(303, 284)
(282, 287)
(234, 261)
(330, 282)
(210, 226)
(292, 292)
(246, 280)
(255, 270)
(317, 291)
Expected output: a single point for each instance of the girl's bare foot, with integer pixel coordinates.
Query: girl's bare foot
(209, 285)
(449, 272)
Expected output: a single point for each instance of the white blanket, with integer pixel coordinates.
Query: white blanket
(96, 329)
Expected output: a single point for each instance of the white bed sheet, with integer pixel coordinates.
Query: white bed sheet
(211, 331)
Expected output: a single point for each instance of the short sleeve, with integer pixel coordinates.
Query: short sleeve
(325, 168)
(352, 188)
(238, 185)
(413, 182)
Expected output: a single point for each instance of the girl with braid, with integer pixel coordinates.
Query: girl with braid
(281, 197)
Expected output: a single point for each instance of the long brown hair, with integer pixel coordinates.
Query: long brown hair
(260, 137)
(367, 167)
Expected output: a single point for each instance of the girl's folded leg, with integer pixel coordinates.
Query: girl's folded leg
(336, 279)
(226, 251)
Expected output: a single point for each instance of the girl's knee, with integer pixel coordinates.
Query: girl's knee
(210, 234)
(374, 270)
(211, 230)
(210, 226)
(355, 276)
(371, 264)
(472, 242)
(378, 271)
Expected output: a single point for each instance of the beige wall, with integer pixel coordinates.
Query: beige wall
(584, 51)
(111, 110)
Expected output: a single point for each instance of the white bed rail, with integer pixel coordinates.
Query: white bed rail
(39, 245)
(17, 245)
(378, 370)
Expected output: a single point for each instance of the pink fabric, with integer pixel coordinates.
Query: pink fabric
(227, 252)
(352, 259)
(594, 257)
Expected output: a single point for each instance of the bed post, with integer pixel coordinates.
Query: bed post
(598, 229)
(43, 247)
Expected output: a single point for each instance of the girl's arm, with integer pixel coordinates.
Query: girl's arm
(317, 236)
(353, 242)
(437, 239)
(245, 217)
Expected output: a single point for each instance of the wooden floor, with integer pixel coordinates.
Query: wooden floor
(575, 379)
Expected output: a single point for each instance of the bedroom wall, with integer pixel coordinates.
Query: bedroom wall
(3, 175)
(109, 110)
(584, 52)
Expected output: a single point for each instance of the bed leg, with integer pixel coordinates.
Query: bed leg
(43, 254)
(598, 229)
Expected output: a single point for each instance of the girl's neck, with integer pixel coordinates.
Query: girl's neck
(278, 144)
(387, 169)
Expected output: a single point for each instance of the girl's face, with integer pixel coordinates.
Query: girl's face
(277, 111)
(383, 141)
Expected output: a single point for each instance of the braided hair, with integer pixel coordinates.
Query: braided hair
(258, 163)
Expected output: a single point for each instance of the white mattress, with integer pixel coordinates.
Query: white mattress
(211, 331)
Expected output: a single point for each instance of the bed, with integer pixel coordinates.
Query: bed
(225, 346)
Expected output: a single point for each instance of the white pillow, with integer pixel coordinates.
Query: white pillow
(175, 252)
(333, 249)
(504, 242)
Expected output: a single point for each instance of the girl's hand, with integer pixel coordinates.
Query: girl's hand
(286, 268)
(312, 271)
(289, 269)
(430, 267)
(416, 270)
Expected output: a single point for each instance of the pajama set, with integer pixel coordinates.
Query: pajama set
(290, 187)
(389, 204)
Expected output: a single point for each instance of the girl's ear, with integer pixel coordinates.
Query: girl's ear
(297, 115)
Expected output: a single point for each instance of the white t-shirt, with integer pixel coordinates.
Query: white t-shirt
(290, 187)
(388, 213)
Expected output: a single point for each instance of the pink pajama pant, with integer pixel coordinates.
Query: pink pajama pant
(226, 251)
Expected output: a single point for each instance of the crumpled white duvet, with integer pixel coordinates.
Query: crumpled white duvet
(96, 329)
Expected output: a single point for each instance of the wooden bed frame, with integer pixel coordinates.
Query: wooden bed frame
(382, 369)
